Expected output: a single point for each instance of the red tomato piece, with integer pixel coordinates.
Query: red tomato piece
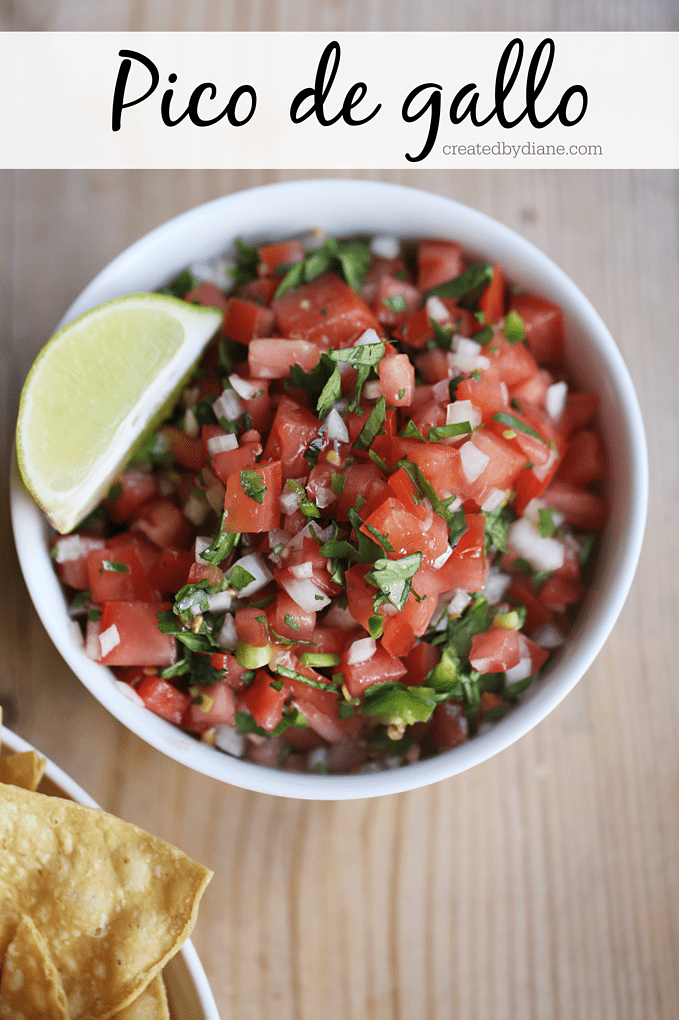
(170, 571)
(283, 253)
(544, 327)
(395, 301)
(163, 523)
(220, 708)
(578, 410)
(466, 567)
(419, 662)
(243, 512)
(186, 451)
(73, 571)
(438, 262)
(162, 698)
(273, 358)
(118, 576)
(132, 488)
(397, 637)
(209, 295)
(205, 572)
(246, 320)
(488, 393)
(495, 650)
(582, 509)
(291, 433)
(251, 626)
(397, 379)
(141, 642)
(450, 725)
(391, 525)
(405, 490)
(289, 620)
(380, 668)
(263, 701)
(492, 301)
(232, 672)
(325, 312)
(584, 460)
(514, 363)
(228, 462)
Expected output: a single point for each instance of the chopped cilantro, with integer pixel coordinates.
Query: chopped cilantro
(514, 329)
(372, 426)
(513, 423)
(396, 303)
(546, 521)
(438, 432)
(113, 567)
(394, 577)
(469, 284)
(291, 622)
(239, 577)
(252, 484)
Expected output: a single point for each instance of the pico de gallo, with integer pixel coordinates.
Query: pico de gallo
(366, 526)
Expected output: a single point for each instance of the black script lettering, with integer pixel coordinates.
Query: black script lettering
(121, 82)
(319, 94)
(433, 104)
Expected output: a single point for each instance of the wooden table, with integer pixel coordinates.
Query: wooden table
(542, 884)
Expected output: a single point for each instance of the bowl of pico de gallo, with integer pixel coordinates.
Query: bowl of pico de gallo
(392, 516)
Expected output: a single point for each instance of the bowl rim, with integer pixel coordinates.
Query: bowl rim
(464, 223)
(204, 998)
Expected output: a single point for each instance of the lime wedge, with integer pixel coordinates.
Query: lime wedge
(99, 385)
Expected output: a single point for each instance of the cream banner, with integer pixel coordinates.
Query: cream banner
(345, 100)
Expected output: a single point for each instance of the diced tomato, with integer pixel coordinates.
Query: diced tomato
(117, 576)
(187, 452)
(246, 320)
(397, 637)
(403, 487)
(275, 256)
(229, 462)
(579, 409)
(432, 366)
(170, 571)
(495, 650)
(209, 295)
(488, 393)
(533, 390)
(325, 312)
(419, 662)
(467, 566)
(205, 572)
(380, 668)
(217, 707)
(522, 591)
(73, 571)
(513, 362)
(141, 642)
(544, 327)
(501, 470)
(584, 460)
(148, 551)
(581, 508)
(395, 301)
(366, 481)
(558, 592)
(260, 290)
(329, 639)
(260, 407)
(289, 620)
(431, 415)
(132, 488)
(243, 512)
(161, 697)
(163, 523)
(492, 301)
(273, 358)
(360, 594)
(232, 672)
(438, 262)
(397, 379)
(291, 433)
(440, 464)
(400, 533)
(417, 613)
(450, 725)
(263, 701)
(251, 626)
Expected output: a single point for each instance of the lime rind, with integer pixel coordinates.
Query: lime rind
(95, 391)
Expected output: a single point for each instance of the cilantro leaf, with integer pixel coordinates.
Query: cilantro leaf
(514, 329)
(223, 543)
(497, 525)
(394, 577)
(426, 489)
(547, 527)
(475, 279)
(372, 426)
(247, 261)
(331, 392)
(239, 577)
(513, 423)
(252, 484)
(437, 432)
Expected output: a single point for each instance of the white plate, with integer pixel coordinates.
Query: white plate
(188, 990)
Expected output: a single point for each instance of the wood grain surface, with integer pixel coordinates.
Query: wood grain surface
(542, 884)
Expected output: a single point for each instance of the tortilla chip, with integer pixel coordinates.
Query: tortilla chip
(151, 1004)
(24, 769)
(113, 903)
(30, 986)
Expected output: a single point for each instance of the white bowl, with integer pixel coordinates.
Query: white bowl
(346, 207)
(188, 990)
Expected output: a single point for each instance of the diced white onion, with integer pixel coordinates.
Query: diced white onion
(481, 665)
(463, 410)
(217, 603)
(92, 646)
(494, 500)
(369, 337)
(436, 309)
(244, 387)
(228, 740)
(555, 398)
(542, 553)
(459, 602)
(220, 444)
(372, 390)
(302, 570)
(289, 500)
(227, 637)
(202, 543)
(191, 426)
(228, 406)
(466, 356)
(306, 594)
(361, 651)
(196, 509)
(215, 497)
(542, 470)
(496, 585)
(324, 497)
(74, 547)
(547, 636)
(440, 391)
(255, 565)
(318, 758)
(385, 246)
(108, 640)
(217, 271)
(128, 692)
(474, 461)
(336, 428)
(524, 666)
(320, 534)
(443, 558)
